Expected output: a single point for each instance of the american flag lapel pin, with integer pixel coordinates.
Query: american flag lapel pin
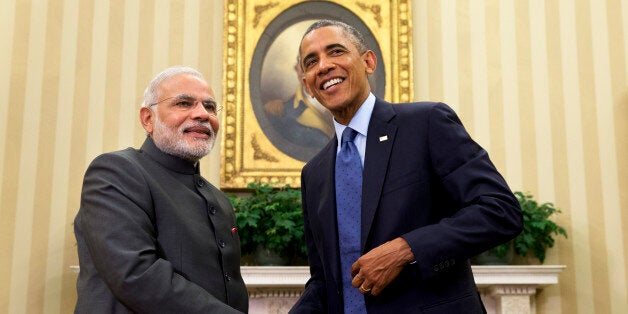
(383, 138)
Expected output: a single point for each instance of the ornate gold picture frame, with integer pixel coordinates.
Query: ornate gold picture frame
(270, 127)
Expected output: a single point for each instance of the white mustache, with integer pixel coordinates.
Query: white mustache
(207, 125)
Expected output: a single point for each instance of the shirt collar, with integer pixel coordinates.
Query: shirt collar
(360, 121)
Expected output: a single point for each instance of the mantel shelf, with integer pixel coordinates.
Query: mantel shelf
(297, 276)
(504, 288)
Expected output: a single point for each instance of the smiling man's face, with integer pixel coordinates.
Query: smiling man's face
(335, 72)
(180, 125)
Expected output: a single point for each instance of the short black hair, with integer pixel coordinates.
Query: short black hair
(354, 35)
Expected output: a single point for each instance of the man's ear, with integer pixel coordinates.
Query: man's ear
(370, 61)
(307, 88)
(147, 118)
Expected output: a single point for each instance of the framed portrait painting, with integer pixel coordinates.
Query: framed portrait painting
(271, 126)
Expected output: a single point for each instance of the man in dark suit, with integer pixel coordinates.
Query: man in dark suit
(429, 197)
(153, 236)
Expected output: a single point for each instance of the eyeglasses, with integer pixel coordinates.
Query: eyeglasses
(186, 102)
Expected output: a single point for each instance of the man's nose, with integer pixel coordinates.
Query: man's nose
(199, 111)
(325, 65)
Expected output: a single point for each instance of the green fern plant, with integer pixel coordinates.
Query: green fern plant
(538, 229)
(272, 218)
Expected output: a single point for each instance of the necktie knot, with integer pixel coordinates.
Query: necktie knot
(348, 135)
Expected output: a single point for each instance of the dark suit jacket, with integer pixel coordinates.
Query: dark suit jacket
(424, 180)
(153, 236)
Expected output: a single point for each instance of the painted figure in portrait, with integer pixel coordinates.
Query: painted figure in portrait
(293, 121)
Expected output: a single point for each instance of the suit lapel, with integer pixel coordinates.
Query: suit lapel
(379, 143)
(327, 209)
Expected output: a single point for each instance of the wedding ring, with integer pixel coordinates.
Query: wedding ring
(363, 290)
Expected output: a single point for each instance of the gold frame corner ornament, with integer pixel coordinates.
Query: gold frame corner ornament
(248, 154)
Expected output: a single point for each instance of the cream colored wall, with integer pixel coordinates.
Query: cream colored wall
(72, 74)
(541, 84)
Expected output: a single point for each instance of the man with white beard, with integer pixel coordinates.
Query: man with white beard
(153, 236)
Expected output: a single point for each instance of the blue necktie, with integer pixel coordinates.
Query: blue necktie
(348, 209)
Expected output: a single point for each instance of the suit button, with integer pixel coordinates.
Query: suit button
(212, 210)
(227, 277)
(221, 243)
(200, 183)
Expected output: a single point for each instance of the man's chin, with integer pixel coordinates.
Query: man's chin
(189, 150)
(200, 144)
(200, 148)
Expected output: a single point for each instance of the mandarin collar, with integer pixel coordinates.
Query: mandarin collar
(171, 162)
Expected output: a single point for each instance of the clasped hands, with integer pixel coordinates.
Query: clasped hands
(373, 271)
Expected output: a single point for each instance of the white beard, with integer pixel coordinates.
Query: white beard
(172, 142)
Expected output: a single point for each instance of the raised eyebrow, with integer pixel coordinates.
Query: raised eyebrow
(183, 97)
(210, 100)
(189, 97)
(336, 45)
(327, 48)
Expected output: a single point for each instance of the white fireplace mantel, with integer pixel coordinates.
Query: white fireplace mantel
(504, 288)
